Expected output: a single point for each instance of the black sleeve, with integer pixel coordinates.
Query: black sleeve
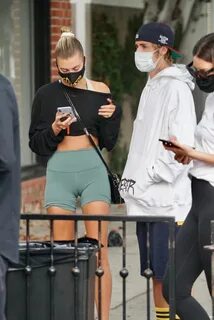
(42, 139)
(109, 130)
(7, 144)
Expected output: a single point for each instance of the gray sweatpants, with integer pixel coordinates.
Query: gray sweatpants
(3, 271)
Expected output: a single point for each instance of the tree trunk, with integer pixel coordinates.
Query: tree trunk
(151, 11)
(166, 13)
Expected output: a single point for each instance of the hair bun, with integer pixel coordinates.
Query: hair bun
(66, 32)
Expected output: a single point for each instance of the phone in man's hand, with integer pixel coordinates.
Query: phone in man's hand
(168, 143)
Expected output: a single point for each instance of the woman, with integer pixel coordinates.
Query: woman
(191, 257)
(74, 168)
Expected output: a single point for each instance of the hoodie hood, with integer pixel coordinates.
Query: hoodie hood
(178, 72)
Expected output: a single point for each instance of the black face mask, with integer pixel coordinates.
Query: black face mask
(72, 77)
(206, 84)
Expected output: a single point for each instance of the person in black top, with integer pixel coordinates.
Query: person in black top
(74, 169)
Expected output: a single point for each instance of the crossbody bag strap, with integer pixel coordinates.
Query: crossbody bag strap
(86, 130)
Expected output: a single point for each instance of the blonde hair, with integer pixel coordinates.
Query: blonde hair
(168, 56)
(68, 45)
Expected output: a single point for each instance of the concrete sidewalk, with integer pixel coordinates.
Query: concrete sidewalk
(136, 285)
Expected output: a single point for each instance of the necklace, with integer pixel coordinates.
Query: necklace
(81, 84)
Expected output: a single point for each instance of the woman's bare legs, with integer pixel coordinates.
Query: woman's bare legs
(63, 230)
(101, 208)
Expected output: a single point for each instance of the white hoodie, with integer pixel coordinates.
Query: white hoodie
(153, 182)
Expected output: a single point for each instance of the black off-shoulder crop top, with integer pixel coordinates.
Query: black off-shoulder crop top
(87, 103)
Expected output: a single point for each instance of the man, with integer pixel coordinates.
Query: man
(9, 184)
(153, 182)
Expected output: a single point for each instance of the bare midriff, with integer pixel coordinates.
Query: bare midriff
(75, 143)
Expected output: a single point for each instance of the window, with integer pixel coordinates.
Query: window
(16, 61)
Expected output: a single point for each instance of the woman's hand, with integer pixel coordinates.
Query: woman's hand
(179, 149)
(182, 151)
(189, 153)
(58, 125)
(183, 159)
(107, 110)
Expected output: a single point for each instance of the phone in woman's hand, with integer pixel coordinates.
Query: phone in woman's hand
(168, 143)
(67, 110)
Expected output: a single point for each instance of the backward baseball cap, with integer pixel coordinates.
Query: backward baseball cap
(158, 33)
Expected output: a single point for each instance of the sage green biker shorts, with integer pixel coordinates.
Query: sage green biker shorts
(73, 174)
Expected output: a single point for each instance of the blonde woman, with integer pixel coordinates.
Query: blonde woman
(74, 168)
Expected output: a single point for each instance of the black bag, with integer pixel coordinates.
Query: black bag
(114, 179)
(114, 182)
(115, 239)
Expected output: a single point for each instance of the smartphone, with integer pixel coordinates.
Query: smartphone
(168, 143)
(66, 109)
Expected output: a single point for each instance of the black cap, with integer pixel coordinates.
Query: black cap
(158, 33)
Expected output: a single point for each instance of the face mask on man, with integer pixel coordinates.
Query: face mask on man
(144, 61)
(72, 77)
(206, 84)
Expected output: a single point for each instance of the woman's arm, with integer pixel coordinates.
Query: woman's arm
(190, 152)
(201, 156)
(43, 137)
(109, 129)
(110, 117)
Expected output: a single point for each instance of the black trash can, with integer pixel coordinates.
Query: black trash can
(52, 282)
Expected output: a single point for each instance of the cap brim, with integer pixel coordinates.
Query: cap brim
(175, 54)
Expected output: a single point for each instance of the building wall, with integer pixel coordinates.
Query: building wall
(60, 16)
(33, 189)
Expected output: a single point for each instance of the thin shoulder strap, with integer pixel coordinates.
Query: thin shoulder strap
(89, 84)
(86, 131)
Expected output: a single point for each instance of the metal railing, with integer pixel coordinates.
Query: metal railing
(124, 272)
